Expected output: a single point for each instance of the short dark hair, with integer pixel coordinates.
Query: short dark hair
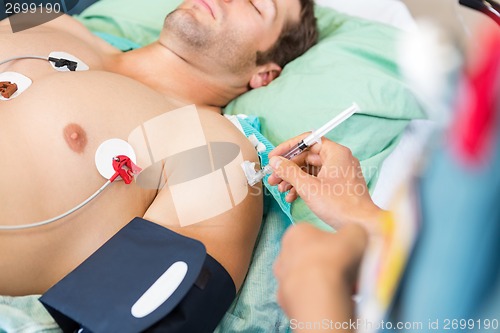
(295, 39)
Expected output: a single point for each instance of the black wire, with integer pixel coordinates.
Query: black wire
(487, 7)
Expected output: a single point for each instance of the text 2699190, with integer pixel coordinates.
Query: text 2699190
(24, 8)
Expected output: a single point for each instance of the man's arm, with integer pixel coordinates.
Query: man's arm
(229, 236)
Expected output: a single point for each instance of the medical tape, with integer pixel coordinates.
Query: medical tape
(204, 179)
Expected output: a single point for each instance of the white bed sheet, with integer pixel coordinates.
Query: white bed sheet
(392, 12)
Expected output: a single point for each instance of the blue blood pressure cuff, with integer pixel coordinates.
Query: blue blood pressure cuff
(146, 278)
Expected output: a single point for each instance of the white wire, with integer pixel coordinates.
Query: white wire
(23, 57)
(54, 219)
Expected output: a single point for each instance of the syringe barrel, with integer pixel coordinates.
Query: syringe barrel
(295, 151)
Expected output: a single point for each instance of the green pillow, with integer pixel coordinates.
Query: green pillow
(138, 21)
(354, 61)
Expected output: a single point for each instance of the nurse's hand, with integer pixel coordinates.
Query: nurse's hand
(317, 272)
(330, 181)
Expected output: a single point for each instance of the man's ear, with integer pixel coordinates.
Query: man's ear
(264, 75)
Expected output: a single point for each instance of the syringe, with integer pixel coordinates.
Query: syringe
(308, 141)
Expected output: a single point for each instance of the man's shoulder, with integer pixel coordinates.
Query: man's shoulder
(218, 128)
(63, 24)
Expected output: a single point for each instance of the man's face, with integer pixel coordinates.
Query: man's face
(227, 33)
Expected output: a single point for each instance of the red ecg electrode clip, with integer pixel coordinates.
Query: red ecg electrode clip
(125, 168)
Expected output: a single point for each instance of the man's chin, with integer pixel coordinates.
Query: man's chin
(186, 29)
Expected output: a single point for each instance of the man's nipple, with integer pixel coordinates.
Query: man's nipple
(75, 137)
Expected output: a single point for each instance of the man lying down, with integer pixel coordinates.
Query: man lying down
(207, 54)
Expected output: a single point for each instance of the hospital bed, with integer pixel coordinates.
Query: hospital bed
(255, 309)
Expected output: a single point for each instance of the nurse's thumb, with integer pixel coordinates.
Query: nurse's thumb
(292, 173)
